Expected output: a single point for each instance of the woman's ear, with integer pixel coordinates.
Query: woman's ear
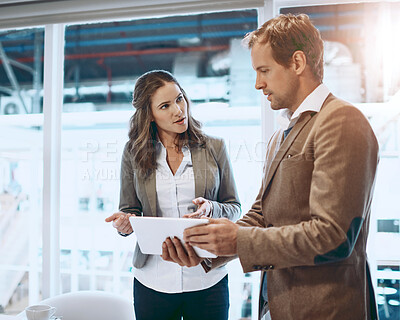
(299, 62)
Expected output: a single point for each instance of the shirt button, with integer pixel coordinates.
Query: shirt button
(271, 267)
(257, 267)
(289, 155)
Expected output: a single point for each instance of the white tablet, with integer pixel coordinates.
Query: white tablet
(151, 232)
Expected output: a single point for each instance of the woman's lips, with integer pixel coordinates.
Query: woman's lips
(180, 121)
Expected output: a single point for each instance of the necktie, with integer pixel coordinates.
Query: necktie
(286, 132)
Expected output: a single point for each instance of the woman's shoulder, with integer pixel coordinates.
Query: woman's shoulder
(214, 141)
(127, 148)
(216, 146)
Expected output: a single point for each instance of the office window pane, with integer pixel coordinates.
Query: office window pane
(21, 166)
(366, 73)
(102, 63)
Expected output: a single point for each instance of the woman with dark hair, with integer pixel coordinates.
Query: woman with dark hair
(168, 165)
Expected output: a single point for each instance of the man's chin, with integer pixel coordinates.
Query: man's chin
(276, 107)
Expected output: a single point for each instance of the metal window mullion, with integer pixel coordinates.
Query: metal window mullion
(52, 110)
(267, 115)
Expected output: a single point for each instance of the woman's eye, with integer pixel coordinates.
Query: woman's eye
(164, 106)
(179, 99)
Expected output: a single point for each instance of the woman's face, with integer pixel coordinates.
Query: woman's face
(169, 110)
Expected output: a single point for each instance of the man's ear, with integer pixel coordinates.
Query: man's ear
(299, 62)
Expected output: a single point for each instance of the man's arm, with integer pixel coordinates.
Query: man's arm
(344, 163)
(344, 166)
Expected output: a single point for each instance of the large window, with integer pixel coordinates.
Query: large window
(366, 73)
(21, 164)
(203, 50)
(102, 62)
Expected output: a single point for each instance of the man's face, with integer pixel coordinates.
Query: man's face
(278, 83)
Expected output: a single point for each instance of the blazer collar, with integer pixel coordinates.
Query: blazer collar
(199, 160)
(287, 143)
(150, 186)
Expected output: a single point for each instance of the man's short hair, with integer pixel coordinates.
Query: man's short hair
(288, 33)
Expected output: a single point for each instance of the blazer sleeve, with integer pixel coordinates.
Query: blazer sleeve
(344, 165)
(128, 200)
(227, 204)
(252, 219)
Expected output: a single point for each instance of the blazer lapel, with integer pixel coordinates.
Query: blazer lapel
(287, 143)
(150, 186)
(199, 171)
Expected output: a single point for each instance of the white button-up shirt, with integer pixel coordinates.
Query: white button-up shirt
(174, 195)
(313, 102)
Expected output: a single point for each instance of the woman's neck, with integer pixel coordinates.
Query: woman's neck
(169, 141)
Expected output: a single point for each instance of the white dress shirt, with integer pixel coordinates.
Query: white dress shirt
(174, 195)
(313, 102)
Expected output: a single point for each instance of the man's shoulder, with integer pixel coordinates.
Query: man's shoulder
(333, 105)
(332, 102)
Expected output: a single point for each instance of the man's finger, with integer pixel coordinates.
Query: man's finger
(194, 231)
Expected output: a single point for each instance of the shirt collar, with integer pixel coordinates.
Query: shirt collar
(161, 152)
(313, 102)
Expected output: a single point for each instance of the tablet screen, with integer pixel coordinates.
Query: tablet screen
(151, 232)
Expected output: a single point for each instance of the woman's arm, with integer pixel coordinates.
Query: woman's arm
(129, 204)
(227, 204)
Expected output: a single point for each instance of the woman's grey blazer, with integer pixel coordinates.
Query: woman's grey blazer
(213, 181)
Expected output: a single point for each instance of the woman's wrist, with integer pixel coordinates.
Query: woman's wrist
(211, 208)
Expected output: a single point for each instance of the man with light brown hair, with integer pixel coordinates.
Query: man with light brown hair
(307, 229)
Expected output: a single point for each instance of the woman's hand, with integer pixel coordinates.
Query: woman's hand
(204, 209)
(174, 251)
(120, 221)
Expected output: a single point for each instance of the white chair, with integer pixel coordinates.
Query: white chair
(91, 305)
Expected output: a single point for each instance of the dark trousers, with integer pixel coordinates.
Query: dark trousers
(207, 304)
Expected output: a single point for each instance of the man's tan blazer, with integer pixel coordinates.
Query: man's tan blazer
(308, 227)
(213, 178)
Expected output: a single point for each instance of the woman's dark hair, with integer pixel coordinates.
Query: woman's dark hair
(143, 132)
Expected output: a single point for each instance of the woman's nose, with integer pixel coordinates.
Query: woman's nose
(178, 109)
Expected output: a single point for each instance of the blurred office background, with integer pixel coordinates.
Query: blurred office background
(67, 72)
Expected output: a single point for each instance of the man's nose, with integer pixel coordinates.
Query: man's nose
(259, 84)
